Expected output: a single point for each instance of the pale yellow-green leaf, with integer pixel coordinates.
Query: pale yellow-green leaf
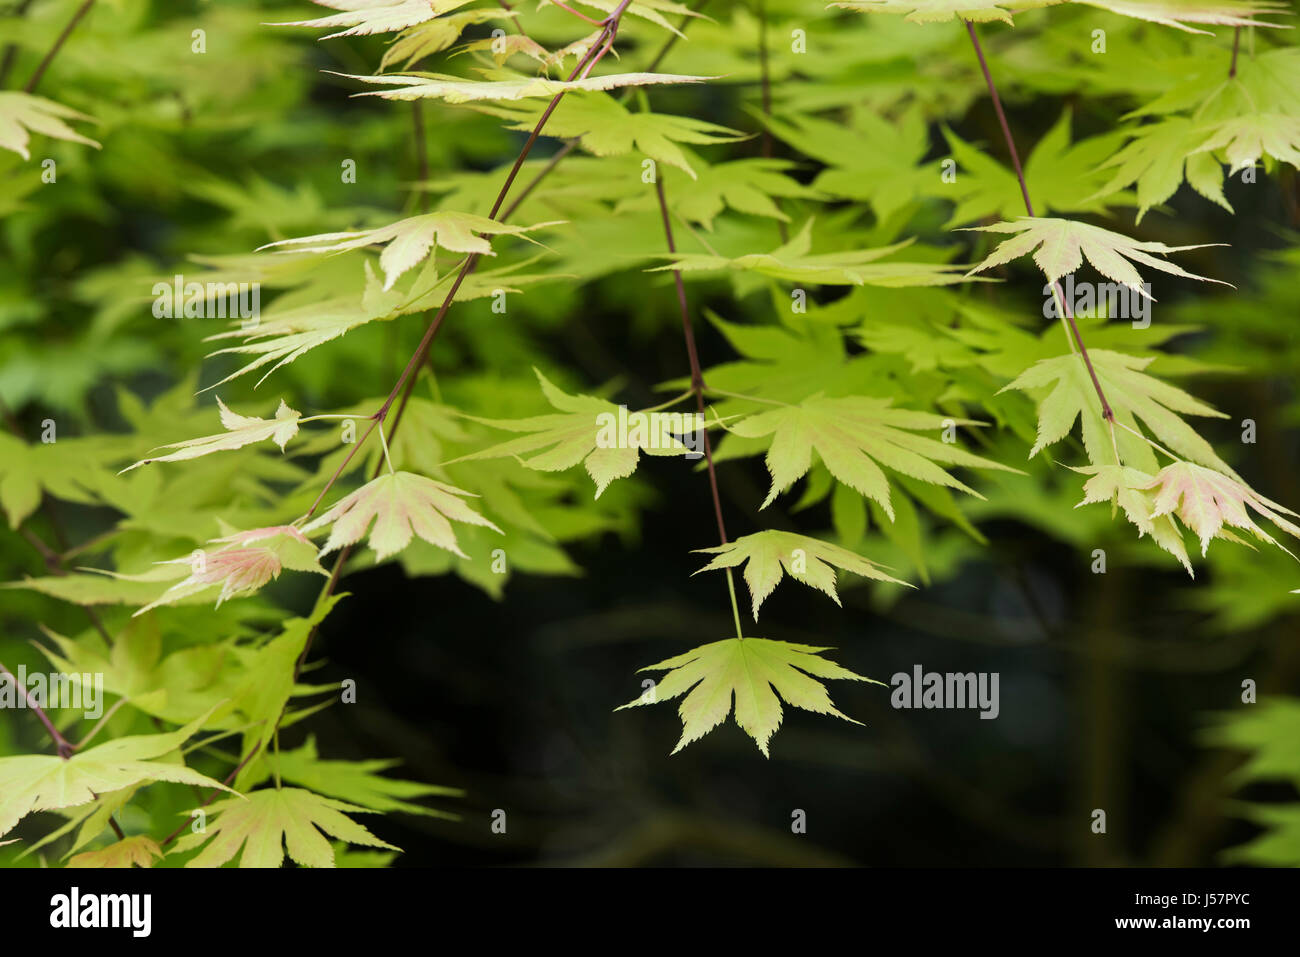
(40, 782)
(938, 11)
(268, 821)
(137, 851)
(755, 671)
(770, 553)
(454, 89)
(399, 504)
(241, 430)
(22, 114)
(1205, 501)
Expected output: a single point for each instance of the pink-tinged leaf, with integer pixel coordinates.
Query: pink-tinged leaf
(399, 504)
(1206, 501)
(245, 562)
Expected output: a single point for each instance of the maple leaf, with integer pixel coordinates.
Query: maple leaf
(454, 89)
(366, 17)
(38, 782)
(241, 430)
(137, 851)
(265, 822)
(755, 671)
(575, 434)
(357, 782)
(399, 504)
(1244, 139)
(1132, 395)
(242, 565)
(408, 241)
(23, 112)
(1206, 501)
(651, 10)
(1128, 489)
(1157, 160)
(854, 436)
(1179, 13)
(938, 11)
(792, 261)
(437, 35)
(806, 559)
(1062, 244)
(608, 128)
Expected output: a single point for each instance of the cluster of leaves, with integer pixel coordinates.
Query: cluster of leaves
(878, 333)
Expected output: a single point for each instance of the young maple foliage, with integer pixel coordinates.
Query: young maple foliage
(821, 196)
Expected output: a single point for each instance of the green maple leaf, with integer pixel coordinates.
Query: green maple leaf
(267, 821)
(357, 782)
(1061, 176)
(69, 468)
(1158, 159)
(1132, 395)
(1245, 139)
(562, 440)
(505, 86)
(768, 553)
(1179, 13)
(400, 504)
(408, 241)
(793, 261)
(745, 185)
(652, 10)
(1128, 489)
(607, 128)
(23, 113)
(241, 430)
(137, 851)
(38, 782)
(1062, 245)
(755, 671)
(1269, 732)
(939, 11)
(1279, 845)
(854, 437)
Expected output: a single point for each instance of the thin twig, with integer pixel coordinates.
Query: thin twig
(58, 44)
(1067, 312)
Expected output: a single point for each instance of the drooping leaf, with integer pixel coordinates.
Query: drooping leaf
(241, 430)
(408, 241)
(1129, 489)
(1179, 13)
(608, 128)
(854, 437)
(768, 553)
(267, 821)
(583, 430)
(454, 89)
(399, 504)
(753, 670)
(1206, 501)
(22, 114)
(245, 562)
(1132, 395)
(939, 11)
(40, 782)
(365, 17)
(357, 782)
(1062, 244)
(436, 35)
(137, 851)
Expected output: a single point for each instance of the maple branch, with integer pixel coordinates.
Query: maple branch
(58, 44)
(406, 382)
(698, 387)
(11, 49)
(1106, 412)
(61, 744)
(1236, 45)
